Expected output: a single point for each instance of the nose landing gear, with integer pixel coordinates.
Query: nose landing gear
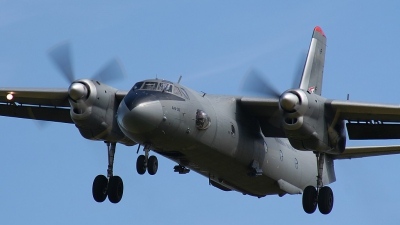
(144, 162)
(321, 196)
(111, 186)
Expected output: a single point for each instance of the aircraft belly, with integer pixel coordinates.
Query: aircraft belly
(281, 162)
(299, 168)
(224, 169)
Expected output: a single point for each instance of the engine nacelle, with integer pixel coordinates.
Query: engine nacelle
(93, 110)
(306, 124)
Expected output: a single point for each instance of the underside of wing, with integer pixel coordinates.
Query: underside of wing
(38, 104)
(361, 152)
(266, 111)
(367, 120)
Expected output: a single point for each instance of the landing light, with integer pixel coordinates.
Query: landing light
(10, 97)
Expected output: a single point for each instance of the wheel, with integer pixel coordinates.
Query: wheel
(140, 165)
(99, 188)
(152, 165)
(115, 189)
(325, 200)
(310, 199)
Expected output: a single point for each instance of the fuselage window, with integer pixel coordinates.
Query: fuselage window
(138, 85)
(150, 86)
(232, 130)
(185, 94)
(296, 163)
(265, 147)
(281, 155)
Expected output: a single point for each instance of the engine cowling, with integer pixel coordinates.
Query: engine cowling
(307, 124)
(93, 110)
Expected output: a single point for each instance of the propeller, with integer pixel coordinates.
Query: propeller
(253, 82)
(61, 56)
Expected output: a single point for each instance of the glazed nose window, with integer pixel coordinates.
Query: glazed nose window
(203, 121)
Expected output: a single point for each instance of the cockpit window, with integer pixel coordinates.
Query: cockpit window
(177, 92)
(164, 87)
(185, 94)
(149, 86)
(138, 85)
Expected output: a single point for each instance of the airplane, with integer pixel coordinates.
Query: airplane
(275, 144)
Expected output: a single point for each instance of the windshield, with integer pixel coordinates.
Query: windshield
(163, 86)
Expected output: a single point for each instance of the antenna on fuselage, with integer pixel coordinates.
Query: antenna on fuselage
(180, 79)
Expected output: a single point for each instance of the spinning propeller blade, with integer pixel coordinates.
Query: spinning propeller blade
(61, 57)
(111, 71)
(254, 82)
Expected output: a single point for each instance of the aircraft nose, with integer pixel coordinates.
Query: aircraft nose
(143, 118)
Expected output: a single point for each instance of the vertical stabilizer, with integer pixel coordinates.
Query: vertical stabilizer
(311, 79)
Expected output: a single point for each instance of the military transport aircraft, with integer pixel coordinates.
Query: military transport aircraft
(283, 143)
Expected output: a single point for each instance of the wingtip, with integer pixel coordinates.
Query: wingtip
(319, 30)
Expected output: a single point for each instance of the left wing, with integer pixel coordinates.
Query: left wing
(367, 120)
(364, 120)
(360, 152)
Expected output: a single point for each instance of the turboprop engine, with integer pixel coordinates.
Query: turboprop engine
(93, 110)
(307, 124)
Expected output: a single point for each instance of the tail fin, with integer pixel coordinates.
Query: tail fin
(314, 67)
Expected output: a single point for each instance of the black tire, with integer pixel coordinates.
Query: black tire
(140, 165)
(115, 189)
(325, 200)
(310, 199)
(152, 165)
(99, 188)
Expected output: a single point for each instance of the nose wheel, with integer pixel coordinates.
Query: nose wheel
(144, 162)
(321, 196)
(111, 186)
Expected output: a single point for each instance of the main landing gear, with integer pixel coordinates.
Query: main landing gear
(321, 196)
(144, 162)
(111, 186)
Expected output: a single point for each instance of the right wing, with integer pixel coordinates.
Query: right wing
(36, 103)
(49, 104)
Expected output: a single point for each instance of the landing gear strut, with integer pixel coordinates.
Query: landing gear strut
(111, 186)
(144, 162)
(322, 195)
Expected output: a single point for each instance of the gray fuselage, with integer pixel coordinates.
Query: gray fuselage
(231, 151)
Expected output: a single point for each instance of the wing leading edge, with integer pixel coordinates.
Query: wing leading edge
(368, 151)
(367, 120)
(36, 103)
